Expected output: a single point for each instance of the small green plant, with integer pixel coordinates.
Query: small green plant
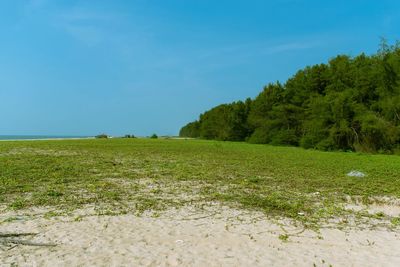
(254, 180)
(379, 215)
(10, 219)
(284, 237)
(54, 193)
(395, 221)
(52, 214)
(18, 204)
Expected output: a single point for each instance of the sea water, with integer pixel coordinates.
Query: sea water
(36, 137)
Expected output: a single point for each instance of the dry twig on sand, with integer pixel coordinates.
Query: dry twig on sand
(7, 235)
(11, 239)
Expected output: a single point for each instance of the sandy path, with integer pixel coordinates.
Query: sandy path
(187, 237)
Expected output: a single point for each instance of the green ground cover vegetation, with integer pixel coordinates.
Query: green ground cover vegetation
(149, 174)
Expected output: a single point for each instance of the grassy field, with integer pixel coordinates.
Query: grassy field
(123, 175)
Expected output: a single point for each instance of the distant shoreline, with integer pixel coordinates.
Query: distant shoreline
(83, 138)
(46, 139)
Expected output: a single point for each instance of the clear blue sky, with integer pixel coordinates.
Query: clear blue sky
(142, 66)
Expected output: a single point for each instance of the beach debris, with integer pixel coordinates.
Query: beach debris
(26, 243)
(300, 213)
(8, 235)
(356, 174)
(12, 239)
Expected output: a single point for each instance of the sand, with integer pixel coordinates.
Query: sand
(215, 236)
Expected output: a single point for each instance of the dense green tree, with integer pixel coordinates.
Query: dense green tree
(192, 129)
(346, 104)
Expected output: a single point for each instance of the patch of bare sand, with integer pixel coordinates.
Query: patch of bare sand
(213, 236)
(379, 205)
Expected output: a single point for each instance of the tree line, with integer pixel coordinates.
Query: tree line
(349, 103)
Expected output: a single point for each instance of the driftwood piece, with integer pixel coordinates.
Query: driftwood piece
(6, 235)
(12, 239)
(26, 243)
(199, 218)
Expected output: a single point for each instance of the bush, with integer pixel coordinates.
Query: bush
(129, 136)
(154, 136)
(307, 142)
(326, 145)
(259, 136)
(284, 137)
(102, 136)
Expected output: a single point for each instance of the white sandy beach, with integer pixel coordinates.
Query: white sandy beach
(192, 237)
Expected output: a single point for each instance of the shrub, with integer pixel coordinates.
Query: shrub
(259, 136)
